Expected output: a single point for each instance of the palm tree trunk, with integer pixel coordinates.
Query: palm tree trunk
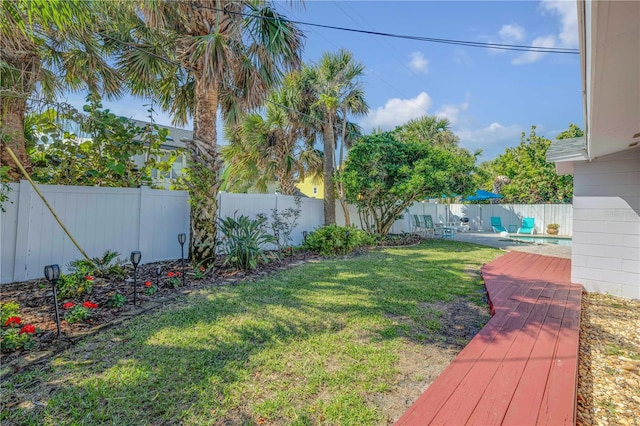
(204, 170)
(329, 188)
(340, 185)
(12, 113)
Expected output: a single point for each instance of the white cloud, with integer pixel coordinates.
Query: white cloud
(532, 56)
(397, 111)
(418, 64)
(451, 112)
(492, 139)
(568, 14)
(512, 32)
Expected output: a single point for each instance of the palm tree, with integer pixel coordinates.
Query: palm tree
(47, 46)
(199, 56)
(333, 91)
(428, 128)
(273, 148)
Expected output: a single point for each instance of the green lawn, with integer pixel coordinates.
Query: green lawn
(311, 345)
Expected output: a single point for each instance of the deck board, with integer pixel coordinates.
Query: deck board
(522, 366)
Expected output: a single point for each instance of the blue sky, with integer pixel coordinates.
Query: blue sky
(489, 96)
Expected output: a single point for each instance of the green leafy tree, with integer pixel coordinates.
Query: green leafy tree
(102, 152)
(524, 173)
(47, 46)
(383, 176)
(333, 92)
(197, 57)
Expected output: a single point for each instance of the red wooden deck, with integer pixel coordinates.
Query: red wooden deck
(522, 368)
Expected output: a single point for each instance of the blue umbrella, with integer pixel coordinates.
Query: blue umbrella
(482, 195)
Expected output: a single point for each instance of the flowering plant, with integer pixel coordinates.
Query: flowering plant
(68, 305)
(8, 310)
(78, 314)
(90, 305)
(117, 300)
(28, 329)
(199, 273)
(88, 277)
(173, 278)
(150, 288)
(11, 321)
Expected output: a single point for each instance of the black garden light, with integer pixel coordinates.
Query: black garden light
(182, 238)
(52, 274)
(304, 236)
(158, 273)
(135, 260)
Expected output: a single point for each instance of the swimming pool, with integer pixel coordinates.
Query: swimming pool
(533, 239)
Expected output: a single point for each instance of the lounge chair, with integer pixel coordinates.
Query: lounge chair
(496, 224)
(428, 225)
(528, 226)
(418, 226)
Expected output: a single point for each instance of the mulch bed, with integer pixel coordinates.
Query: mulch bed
(35, 298)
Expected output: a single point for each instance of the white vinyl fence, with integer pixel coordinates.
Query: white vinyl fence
(511, 215)
(149, 220)
(100, 219)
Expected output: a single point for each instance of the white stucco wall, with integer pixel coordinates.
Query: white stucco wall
(606, 224)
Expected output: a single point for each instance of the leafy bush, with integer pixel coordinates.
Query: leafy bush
(108, 264)
(74, 285)
(14, 339)
(8, 310)
(117, 301)
(282, 224)
(334, 240)
(78, 313)
(244, 240)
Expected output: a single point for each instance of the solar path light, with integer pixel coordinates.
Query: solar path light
(52, 273)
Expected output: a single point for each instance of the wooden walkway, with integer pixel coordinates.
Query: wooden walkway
(522, 368)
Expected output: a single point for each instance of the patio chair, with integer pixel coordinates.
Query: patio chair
(528, 226)
(496, 224)
(418, 226)
(428, 225)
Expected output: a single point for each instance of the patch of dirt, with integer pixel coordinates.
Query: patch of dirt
(422, 362)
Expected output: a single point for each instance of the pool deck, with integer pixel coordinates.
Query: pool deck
(493, 239)
(522, 367)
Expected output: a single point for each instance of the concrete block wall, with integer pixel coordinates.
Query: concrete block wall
(606, 224)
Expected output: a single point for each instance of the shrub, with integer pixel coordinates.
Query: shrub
(14, 339)
(117, 301)
(78, 313)
(244, 240)
(8, 310)
(74, 285)
(108, 264)
(334, 240)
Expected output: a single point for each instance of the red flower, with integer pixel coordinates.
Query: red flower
(28, 329)
(68, 305)
(89, 305)
(178, 273)
(88, 277)
(202, 269)
(148, 284)
(12, 320)
(170, 274)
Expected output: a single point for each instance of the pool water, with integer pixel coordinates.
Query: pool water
(542, 240)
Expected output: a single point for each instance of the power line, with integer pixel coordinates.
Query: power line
(485, 45)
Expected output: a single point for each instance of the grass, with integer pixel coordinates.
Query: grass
(314, 344)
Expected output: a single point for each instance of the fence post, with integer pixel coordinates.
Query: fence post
(145, 225)
(22, 232)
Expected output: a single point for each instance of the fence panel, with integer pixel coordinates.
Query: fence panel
(100, 219)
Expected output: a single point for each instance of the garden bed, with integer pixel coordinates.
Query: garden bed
(35, 299)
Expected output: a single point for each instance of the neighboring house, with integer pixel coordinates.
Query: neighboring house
(172, 143)
(606, 162)
(312, 188)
